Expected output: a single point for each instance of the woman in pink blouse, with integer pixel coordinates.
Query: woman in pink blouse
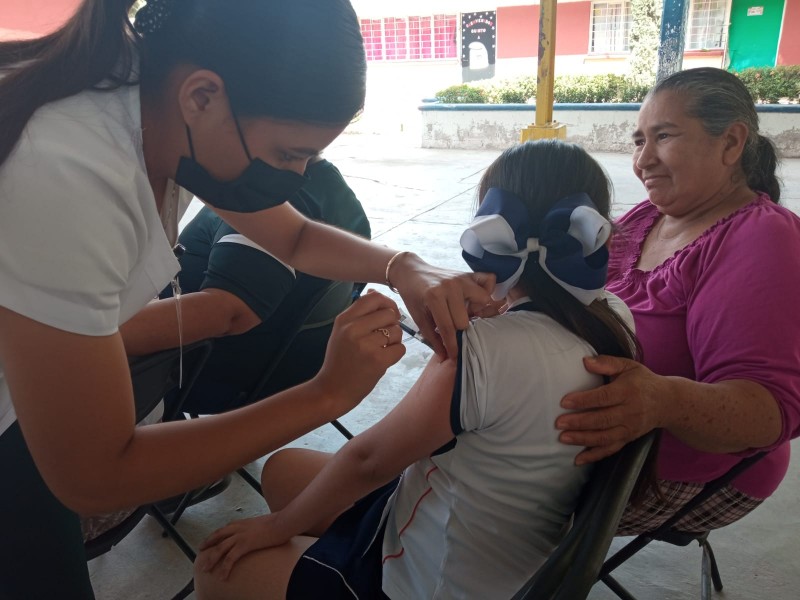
(709, 265)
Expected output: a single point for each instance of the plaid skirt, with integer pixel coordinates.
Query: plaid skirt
(726, 506)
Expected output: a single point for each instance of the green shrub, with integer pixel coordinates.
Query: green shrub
(517, 91)
(766, 84)
(566, 88)
(462, 94)
(490, 89)
(508, 91)
(598, 88)
(772, 84)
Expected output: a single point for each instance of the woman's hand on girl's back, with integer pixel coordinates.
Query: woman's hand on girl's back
(608, 417)
(366, 340)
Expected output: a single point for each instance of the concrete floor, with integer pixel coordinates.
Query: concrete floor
(421, 200)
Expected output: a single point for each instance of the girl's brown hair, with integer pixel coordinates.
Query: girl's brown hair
(541, 173)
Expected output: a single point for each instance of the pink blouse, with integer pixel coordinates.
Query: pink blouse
(724, 307)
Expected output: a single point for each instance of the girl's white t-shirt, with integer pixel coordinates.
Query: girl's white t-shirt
(82, 246)
(477, 519)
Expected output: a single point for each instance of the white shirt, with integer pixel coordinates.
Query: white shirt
(477, 520)
(82, 246)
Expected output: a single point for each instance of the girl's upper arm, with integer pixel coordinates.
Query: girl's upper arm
(414, 429)
(419, 425)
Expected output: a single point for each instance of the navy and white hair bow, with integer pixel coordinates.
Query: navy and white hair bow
(151, 17)
(570, 243)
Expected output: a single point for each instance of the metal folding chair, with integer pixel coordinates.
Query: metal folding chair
(709, 572)
(572, 568)
(324, 301)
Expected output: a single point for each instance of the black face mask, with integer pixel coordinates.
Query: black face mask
(260, 186)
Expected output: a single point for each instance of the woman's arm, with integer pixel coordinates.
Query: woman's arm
(743, 343)
(440, 301)
(72, 395)
(208, 313)
(418, 425)
(725, 417)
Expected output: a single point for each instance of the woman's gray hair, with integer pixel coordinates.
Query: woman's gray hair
(718, 99)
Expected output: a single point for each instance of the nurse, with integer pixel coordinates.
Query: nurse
(105, 132)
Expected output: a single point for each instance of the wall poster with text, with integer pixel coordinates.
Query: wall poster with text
(478, 45)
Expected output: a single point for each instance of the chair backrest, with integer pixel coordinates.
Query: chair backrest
(572, 568)
(153, 376)
(305, 320)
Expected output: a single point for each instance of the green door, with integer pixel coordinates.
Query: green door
(755, 28)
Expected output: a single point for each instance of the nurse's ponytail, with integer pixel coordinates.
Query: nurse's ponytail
(94, 46)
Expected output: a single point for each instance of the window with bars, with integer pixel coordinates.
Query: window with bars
(420, 39)
(706, 27)
(394, 36)
(410, 38)
(372, 32)
(611, 23)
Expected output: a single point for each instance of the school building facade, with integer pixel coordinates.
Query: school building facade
(591, 36)
(417, 47)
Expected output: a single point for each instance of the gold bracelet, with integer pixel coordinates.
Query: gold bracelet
(389, 266)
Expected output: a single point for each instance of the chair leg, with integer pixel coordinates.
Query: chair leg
(170, 530)
(705, 578)
(200, 495)
(710, 567)
(252, 481)
(182, 506)
(619, 557)
(616, 587)
(342, 429)
(623, 554)
(187, 589)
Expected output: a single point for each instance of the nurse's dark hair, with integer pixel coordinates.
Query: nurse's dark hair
(297, 60)
(719, 99)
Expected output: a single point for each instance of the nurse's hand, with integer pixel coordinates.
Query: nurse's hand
(366, 340)
(442, 301)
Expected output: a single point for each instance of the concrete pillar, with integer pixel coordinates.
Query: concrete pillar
(673, 37)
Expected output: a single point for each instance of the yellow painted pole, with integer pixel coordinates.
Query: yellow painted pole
(547, 62)
(544, 126)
